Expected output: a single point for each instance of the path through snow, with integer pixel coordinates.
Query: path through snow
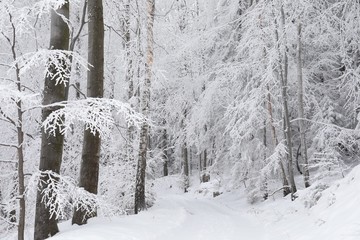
(173, 217)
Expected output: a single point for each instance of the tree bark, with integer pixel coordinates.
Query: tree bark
(51, 145)
(89, 170)
(301, 108)
(145, 105)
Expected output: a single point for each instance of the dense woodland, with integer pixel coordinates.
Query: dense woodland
(99, 98)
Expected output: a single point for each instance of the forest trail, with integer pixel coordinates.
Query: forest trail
(208, 219)
(174, 216)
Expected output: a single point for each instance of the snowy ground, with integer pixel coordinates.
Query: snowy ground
(174, 216)
(193, 216)
(334, 215)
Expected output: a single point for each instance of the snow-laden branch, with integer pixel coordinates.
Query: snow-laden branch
(23, 14)
(273, 161)
(9, 96)
(62, 193)
(95, 113)
(8, 92)
(56, 63)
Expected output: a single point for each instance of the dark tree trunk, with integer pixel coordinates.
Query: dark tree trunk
(51, 146)
(165, 152)
(89, 170)
(185, 157)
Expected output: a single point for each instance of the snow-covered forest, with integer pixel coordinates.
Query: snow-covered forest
(218, 117)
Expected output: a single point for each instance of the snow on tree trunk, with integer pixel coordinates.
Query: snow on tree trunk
(89, 170)
(301, 108)
(20, 139)
(51, 145)
(286, 189)
(129, 78)
(185, 166)
(281, 73)
(145, 105)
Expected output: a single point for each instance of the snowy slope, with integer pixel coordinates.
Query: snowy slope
(335, 216)
(193, 216)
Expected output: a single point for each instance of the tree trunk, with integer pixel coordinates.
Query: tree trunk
(89, 170)
(286, 189)
(284, 95)
(264, 180)
(301, 109)
(20, 138)
(129, 78)
(51, 145)
(20, 152)
(165, 152)
(145, 102)
(185, 166)
(281, 72)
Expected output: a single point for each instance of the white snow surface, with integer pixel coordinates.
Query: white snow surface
(197, 215)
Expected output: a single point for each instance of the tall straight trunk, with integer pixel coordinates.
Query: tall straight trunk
(129, 63)
(145, 105)
(20, 139)
(21, 181)
(165, 157)
(281, 73)
(129, 78)
(301, 108)
(51, 145)
(89, 170)
(284, 95)
(265, 182)
(185, 165)
(286, 189)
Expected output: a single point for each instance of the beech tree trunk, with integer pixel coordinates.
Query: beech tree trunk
(51, 145)
(89, 170)
(301, 109)
(145, 105)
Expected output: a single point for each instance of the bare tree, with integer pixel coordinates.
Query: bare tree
(18, 123)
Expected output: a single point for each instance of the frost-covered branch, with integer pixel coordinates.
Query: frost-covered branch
(63, 193)
(96, 113)
(49, 60)
(280, 152)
